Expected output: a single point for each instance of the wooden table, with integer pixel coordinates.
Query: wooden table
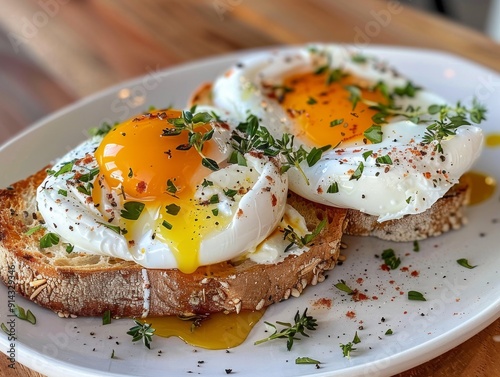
(53, 52)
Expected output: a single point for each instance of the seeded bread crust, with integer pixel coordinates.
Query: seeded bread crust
(86, 285)
(448, 213)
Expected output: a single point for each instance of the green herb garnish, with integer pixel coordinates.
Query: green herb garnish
(343, 287)
(336, 122)
(374, 134)
(416, 296)
(114, 228)
(367, 154)
(142, 331)
(250, 136)
(132, 210)
(48, 240)
(389, 332)
(230, 193)
(390, 259)
(302, 323)
(5, 329)
(349, 347)
(33, 230)
(306, 360)
(333, 188)
(67, 167)
(100, 131)
(188, 122)
(290, 235)
(465, 263)
(106, 317)
(171, 188)
(449, 119)
(416, 246)
(385, 160)
(358, 172)
(88, 177)
(20, 313)
(173, 209)
(311, 101)
(358, 58)
(166, 224)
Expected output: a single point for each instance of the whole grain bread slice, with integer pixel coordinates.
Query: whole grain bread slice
(88, 285)
(448, 213)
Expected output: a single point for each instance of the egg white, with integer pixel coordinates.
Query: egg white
(410, 185)
(77, 220)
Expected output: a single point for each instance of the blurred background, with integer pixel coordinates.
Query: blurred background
(53, 52)
(482, 15)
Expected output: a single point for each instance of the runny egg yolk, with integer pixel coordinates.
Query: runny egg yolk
(143, 165)
(323, 112)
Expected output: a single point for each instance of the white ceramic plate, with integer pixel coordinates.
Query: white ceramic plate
(460, 302)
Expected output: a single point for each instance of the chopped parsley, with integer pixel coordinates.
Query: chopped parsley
(106, 317)
(311, 101)
(171, 188)
(48, 240)
(173, 209)
(333, 188)
(374, 134)
(416, 296)
(166, 224)
(465, 263)
(385, 160)
(336, 122)
(306, 360)
(358, 172)
(343, 287)
(132, 210)
(390, 259)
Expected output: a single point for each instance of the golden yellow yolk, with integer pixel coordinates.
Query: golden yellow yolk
(315, 104)
(141, 164)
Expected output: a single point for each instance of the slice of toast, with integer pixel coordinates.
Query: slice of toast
(448, 213)
(88, 285)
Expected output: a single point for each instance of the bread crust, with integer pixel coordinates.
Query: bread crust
(448, 213)
(86, 285)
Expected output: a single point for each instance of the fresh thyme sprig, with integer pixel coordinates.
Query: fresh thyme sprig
(302, 323)
(290, 235)
(188, 122)
(348, 347)
(250, 135)
(142, 331)
(450, 118)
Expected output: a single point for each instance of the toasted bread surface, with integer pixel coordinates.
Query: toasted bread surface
(88, 285)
